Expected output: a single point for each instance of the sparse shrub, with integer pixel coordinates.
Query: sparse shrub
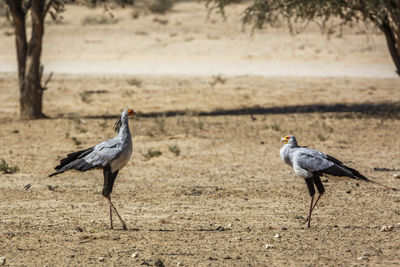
(135, 82)
(274, 127)
(81, 129)
(327, 128)
(76, 141)
(175, 149)
(77, 119)
(99, 19)
(103, 124)
(322, 137)
(85, 97)
(159, 6)
(217, 79)
(152, 153)
(160, 121)
(5, 168)
(199, 124)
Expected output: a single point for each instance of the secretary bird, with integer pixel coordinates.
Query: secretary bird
(110, 155)
(310, 164)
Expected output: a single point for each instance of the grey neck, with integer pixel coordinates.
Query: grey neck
(124, 127)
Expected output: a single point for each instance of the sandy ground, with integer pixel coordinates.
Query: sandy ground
(188, 42)
(227, 194)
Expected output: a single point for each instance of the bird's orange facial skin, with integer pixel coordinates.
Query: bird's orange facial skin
(285, 139)
(131, 112)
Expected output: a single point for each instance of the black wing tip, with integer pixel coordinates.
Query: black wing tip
(54, 173)
(362, 177)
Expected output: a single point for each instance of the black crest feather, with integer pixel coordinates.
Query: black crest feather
(117, 125)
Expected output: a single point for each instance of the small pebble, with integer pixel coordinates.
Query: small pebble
(220, 228)
(179, 264)
(100, 259)
(135, 255)
(229, 225)
(2, 260)
(159, 263)
(386, 228)
(366, 254)
(50, 187)
(268, 246)
(362, 258)
(277, 235)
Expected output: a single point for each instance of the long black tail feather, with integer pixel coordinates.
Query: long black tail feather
(74, 161)
(339, 169)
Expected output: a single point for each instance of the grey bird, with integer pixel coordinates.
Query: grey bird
(310, 164)
(110, 155)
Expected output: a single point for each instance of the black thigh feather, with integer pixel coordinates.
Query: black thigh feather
(109, 179)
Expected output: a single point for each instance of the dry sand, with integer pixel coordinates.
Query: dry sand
(227, 193)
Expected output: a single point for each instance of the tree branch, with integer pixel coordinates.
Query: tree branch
(47, 8)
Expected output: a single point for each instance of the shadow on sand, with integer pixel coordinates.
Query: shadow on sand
(384, 110)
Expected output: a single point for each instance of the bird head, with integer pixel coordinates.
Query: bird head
(288, 139)
(124, 116)
(130, 112)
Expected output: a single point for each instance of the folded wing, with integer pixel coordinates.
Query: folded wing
(317, 162)
(87, 159)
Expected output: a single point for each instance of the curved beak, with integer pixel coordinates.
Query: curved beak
(284, 140)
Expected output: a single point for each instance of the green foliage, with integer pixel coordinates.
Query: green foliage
(175, 149)
(270, 12)
(152, 153)
(5, 168)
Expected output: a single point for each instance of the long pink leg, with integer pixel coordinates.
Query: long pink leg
(309, 214)
(116, 212)
(110, 211)
(312, 208)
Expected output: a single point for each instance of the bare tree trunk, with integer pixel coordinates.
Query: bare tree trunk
(28, 56)
(31, 93)
(392, 35)
(18, 15)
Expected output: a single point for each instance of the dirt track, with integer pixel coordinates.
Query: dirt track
(226, 195)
